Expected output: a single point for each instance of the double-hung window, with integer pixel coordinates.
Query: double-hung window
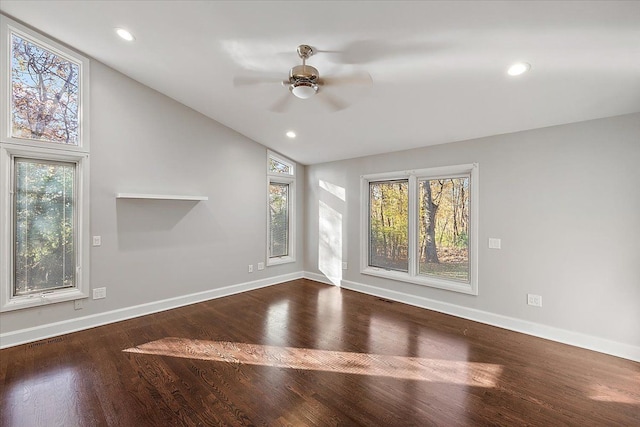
(44, 170)
(281, 181)
(421, 227)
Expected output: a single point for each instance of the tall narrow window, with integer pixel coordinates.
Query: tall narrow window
(279, 219)
(44, 150)
(420, 227)
(280, 209)
(45, 226)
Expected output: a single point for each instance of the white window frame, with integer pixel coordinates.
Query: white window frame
(290, 180)
(11, 147)
(413, 276)
(7, 27)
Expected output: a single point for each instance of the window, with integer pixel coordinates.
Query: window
(389, 224)
(421, 227)
(280, 210)
(279, 219)
(277, 166)
(44, 226)
(44, 156)
(44, 93)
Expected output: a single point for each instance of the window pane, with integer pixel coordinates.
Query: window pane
(444, 228)
(389, 224)
(43, 226)
(278, 220)
(276, 166)
(44, 94)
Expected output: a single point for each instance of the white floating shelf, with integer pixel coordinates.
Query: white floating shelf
(159, 196)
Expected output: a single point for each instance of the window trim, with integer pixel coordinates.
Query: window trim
(9, 26)
(413, 276)
(289, 179)
(9, 302)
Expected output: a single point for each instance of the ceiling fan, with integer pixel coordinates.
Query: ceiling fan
(304, 79)
(304, 82)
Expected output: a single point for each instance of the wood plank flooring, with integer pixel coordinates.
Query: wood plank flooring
(307, 354)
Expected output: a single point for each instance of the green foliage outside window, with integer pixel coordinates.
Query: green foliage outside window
(44, 223)
(278, 219)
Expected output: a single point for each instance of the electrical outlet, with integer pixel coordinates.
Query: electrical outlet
(261, 266)
(494, 243)
(97, 240)
(77, 304)
(250, 268)
(99, 293)
(345, 265)
(534, 300)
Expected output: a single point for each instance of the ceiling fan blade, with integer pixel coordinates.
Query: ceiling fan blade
(331, 101)
(360, 52)
(356, 52)
(257, 79)
(282, 103)
(359, 78)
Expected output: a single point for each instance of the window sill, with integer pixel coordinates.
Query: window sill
(432, 282)
(37, 300)
(280, 260)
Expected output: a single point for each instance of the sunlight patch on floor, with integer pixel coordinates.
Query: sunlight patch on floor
(605, 393)
(34, 395)
(411, 368)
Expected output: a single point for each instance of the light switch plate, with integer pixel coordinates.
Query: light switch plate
(99, 293)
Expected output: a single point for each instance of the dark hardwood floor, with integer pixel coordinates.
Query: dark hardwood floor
(307, 354)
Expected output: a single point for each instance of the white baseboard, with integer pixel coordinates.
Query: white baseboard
(564, 336)
(317, 277)
(23, 336)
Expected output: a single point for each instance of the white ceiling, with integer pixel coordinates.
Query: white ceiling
(438, 68)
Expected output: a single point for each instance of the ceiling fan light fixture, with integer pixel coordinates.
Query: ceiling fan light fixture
(304, 90)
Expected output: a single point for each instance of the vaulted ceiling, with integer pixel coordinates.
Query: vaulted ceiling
(437, 69)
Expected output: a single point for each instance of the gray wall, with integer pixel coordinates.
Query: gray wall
(565, 201)
(145, 142)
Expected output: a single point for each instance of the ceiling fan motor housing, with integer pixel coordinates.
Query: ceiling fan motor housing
(303, 80)
(304, 73)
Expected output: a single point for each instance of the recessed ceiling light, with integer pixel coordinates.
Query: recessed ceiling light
(291, 134)
(126, 35)
(518, 68)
